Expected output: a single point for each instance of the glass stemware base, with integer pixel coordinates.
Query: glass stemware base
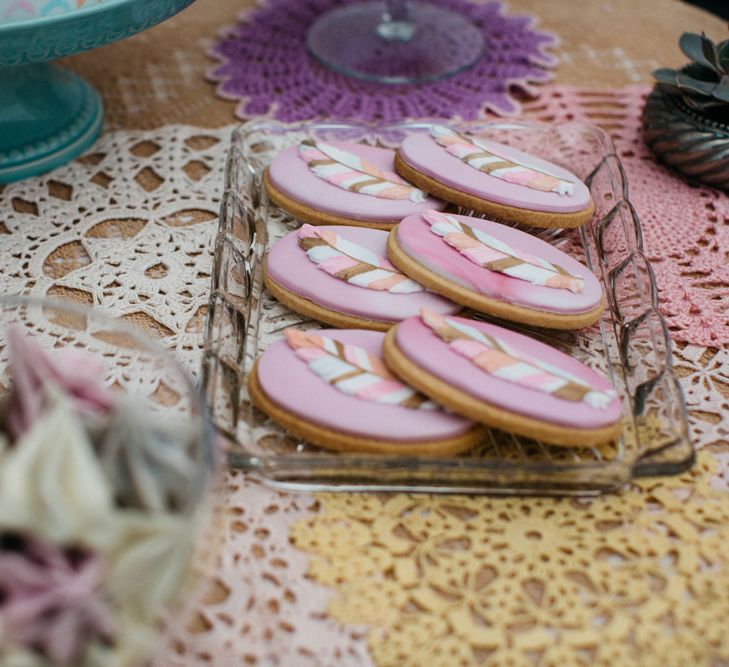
(422, 43)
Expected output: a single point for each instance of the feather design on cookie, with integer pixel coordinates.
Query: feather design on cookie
(354, 371)
(495, 255)
(497, 358)
(350, 172)
(475, 154)
(353, 263)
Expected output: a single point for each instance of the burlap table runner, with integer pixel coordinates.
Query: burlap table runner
(156, 78)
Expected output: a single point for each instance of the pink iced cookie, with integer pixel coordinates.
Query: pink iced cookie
(331, 388)
(497, 180)
(496, 269)
(504, 379)
(343, 183)
(340, 275)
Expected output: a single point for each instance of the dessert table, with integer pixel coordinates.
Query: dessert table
(639, 577)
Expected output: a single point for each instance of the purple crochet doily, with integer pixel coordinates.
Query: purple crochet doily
(265, 65)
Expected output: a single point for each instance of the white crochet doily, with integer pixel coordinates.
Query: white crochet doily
(129, 229)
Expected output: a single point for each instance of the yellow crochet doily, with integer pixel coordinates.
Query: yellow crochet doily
(634, 578)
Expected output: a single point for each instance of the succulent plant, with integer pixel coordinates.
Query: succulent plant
(703, 84)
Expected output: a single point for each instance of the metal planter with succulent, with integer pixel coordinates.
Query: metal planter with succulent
(686, 116)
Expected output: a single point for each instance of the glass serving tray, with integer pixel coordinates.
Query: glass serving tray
(630, 345)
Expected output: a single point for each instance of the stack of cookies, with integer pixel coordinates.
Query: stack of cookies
(384, 259)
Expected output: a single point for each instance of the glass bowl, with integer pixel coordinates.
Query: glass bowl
(144, 540)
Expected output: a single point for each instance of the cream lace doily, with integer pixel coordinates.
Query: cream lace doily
(634, 579)
(394, 580)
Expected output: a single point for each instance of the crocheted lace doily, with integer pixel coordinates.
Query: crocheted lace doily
(633, 579)
(685, 226)
(265, 65)
(475, 580)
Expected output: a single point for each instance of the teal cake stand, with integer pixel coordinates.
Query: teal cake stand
(48, 115)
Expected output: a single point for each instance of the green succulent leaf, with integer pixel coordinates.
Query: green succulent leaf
(701, 73)
(691, 85)
(709, 50)
(702, 84)
(721, 91)
(723, 51)
(698, 102)
(700, 49)
(671, 89)
(665, 75)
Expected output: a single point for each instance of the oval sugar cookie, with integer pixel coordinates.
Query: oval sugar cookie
(504, 379)
(340, 275)
(343, 183)
(493, 179)
(331, 387)
(496, 269)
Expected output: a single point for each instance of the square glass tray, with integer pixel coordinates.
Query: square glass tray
(630, 345)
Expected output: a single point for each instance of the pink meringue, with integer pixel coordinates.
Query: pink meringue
(50, 599)
(76, 373)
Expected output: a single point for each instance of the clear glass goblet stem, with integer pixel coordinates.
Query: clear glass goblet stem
(396, 23)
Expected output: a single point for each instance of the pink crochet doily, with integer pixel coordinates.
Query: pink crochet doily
(685, 226)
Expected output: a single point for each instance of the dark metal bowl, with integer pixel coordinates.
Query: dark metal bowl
(694, 145)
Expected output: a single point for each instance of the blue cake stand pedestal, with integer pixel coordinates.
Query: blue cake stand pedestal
(48, 115)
